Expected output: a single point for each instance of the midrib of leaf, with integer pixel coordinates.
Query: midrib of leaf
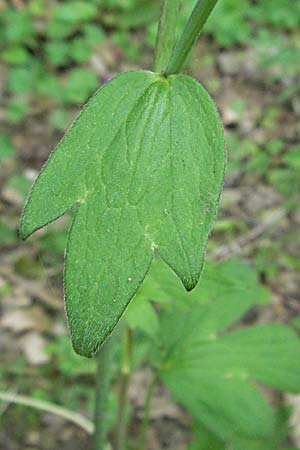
(126, 203)
(102, 153)
(140, 139)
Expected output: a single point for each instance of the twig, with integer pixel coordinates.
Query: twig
(73, 417)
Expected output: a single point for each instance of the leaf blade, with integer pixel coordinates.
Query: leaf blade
(62, 181)
(123, 169)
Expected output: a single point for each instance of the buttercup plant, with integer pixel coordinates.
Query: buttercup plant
(142, 168)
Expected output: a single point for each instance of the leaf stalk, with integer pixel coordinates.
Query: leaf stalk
(166, 34)
(121, 427)
(191, 32)
(104, 359)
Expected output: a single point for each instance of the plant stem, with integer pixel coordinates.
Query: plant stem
(121, 427)
(78, 419)
(145, 422)
(166, 34)
(197, 19)
(104, 357)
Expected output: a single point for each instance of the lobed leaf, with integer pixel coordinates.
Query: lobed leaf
(143, 165)
(206, 440)
(212, 373)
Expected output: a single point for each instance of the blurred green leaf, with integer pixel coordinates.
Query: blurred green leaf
(231, 280)
(279, 13)
(75, 12)
(80, 84)
(36, 7)
(54, 241)
(67, 361)
(206, 440)
(211, 373)
(7, 234)
(141, 314)
(21, 79)
(16, 111)
(7, 149)
(20, 183)
(58, 52)
(229, 23)
(59, 119)
(292, 158)
(80, 50)
(15, 55)
(18, 27)
(138, 14)
(94, 34)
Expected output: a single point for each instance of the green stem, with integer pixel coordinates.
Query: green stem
(145, 422)
(199, 16)
(166, 35)
(121, 427)
(104, 357)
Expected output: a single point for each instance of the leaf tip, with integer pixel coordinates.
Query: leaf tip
(24, 230)
(84, 350)
(89, 344)
(190, 282)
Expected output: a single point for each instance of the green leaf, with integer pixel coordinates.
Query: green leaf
(19, 183)
(212, 373)
(80, 11)
(7, 234)
(15, 55)
(232, 280)
(16, 111)
(18, 27)
(59, 119)
(58, 52)
(205, 440)
(143, 165)
(80, 84)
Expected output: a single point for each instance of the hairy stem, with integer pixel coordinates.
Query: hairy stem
(104, 357)
(166, 35)
(121, 427)
(145, 422)
(199, 16)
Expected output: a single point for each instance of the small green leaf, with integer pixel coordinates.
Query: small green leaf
(143, 165)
